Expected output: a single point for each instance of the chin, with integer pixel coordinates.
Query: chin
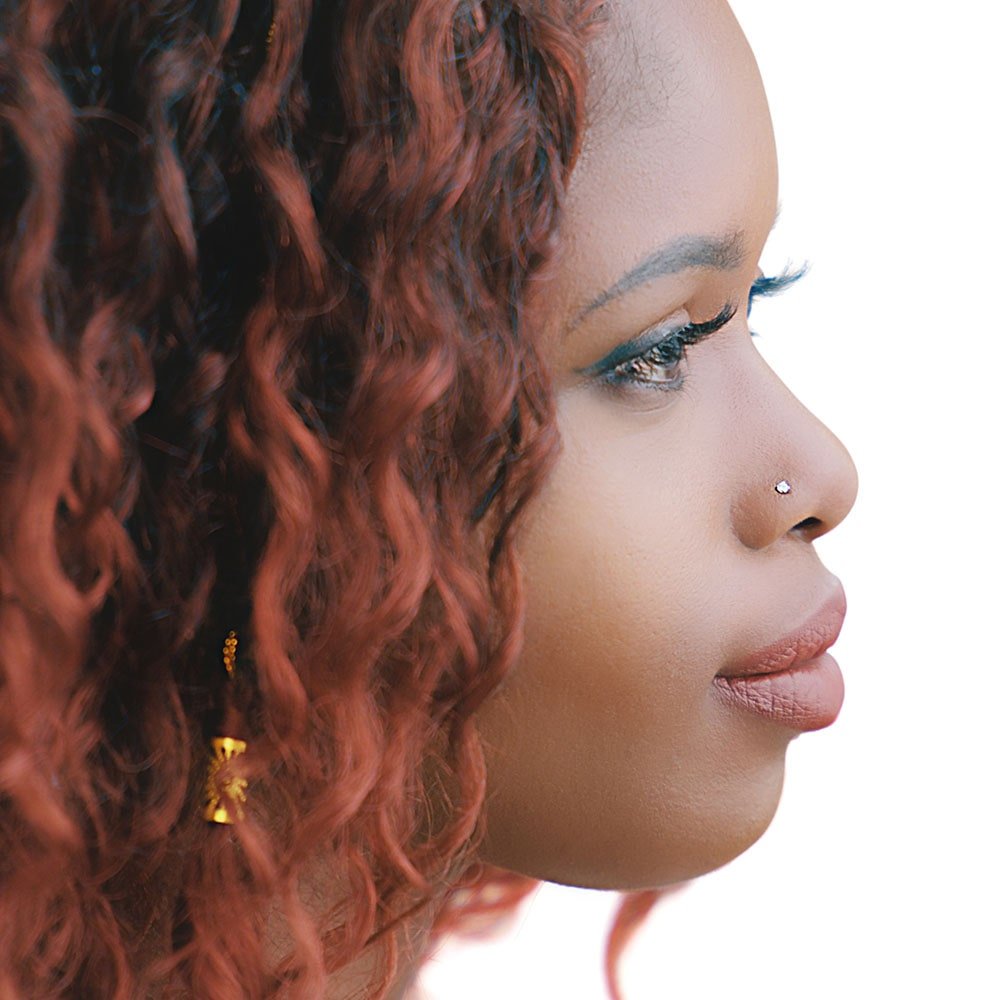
(698, 837)
(646, 860)
(688, 861)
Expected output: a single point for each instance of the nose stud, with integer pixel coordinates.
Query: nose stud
(783, 487)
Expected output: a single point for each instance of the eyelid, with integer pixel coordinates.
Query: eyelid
(636, 347)
(687, 333)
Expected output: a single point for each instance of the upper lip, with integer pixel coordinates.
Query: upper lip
(807, 642)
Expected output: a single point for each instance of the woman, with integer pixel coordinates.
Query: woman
(395, 509)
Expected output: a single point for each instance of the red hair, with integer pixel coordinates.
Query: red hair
(267, 362)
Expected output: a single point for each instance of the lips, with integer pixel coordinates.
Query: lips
(793, 681)
(815, 637)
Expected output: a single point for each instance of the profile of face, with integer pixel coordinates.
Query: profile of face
(659, 553)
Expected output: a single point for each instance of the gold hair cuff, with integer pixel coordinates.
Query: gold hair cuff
(225, 798)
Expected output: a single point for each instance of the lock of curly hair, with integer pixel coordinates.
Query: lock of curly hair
(266, 361)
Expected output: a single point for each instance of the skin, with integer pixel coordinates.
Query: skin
(659, 552)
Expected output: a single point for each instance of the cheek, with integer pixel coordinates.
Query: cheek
(624, 552)
(609, 763)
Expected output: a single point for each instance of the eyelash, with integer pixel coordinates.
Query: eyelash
(671, 351)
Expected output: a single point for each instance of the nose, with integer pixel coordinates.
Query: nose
(797, 480)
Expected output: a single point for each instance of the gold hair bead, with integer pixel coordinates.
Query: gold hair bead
(225, 794)
(270, 32)
(229, 653)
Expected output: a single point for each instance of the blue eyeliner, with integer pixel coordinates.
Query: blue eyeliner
(683, 336)
(631, 349)
(664, 346)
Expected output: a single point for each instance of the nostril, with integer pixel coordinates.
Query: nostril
(808, 524)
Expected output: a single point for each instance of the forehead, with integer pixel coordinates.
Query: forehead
(678, 142)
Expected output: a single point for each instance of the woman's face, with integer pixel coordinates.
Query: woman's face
(659, 552)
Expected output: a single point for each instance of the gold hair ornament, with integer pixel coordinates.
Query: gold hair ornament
(226, 793)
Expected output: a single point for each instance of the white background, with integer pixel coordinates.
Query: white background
(879, 876)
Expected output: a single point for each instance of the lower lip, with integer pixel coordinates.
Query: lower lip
(807, 696)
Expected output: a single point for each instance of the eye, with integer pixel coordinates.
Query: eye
(660, 365)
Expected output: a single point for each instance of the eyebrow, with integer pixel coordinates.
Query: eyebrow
(725, 253)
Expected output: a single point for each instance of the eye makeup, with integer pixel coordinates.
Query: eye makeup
(657, 337)
(764, 286)
(635, 362)
(654, 358)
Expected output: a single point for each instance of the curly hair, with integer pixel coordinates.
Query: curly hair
(267, 363)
